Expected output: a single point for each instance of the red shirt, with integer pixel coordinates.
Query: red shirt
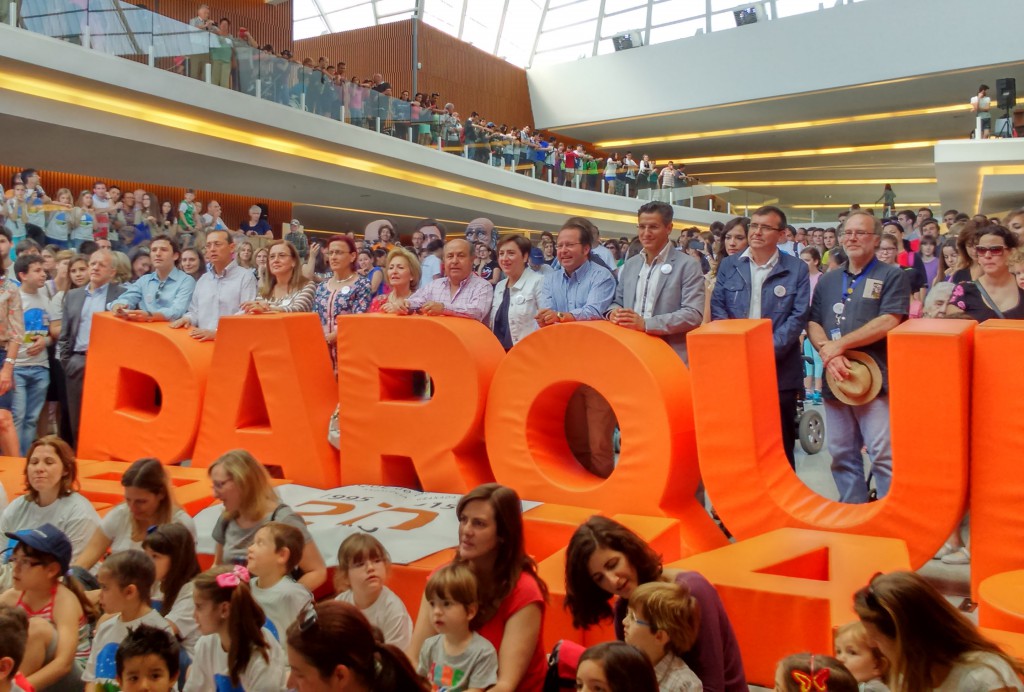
(525, 592)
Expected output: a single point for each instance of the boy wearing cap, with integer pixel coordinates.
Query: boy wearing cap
(855, 307)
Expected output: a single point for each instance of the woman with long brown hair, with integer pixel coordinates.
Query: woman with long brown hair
(283, 288)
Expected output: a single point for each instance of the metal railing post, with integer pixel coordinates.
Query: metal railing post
(12, 16)
(151, 56)
(208, 73)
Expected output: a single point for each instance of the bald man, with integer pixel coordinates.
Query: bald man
(460, 293)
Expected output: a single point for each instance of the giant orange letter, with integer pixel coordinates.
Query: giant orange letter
(391, 437)
(646, 384)
(747, 474)
(127, 365)
(272, 392)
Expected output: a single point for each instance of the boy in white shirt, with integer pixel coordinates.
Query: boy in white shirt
(275, 551)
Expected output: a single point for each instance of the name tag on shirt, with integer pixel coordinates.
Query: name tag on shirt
(834, 334)
(872, 289)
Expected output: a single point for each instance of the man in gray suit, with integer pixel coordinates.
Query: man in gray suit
(661, 290)
(76, 325)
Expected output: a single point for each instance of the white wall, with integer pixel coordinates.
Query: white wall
(849, 44)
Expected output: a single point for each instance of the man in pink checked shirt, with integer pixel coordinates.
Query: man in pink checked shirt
(460, 293)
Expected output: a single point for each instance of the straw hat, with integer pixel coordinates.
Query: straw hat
(862, 384)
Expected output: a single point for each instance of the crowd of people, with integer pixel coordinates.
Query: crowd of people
(831, 294)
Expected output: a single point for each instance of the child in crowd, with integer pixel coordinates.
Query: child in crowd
(663, 621)
(275, 551)
(147, 661)
(813, 673)
(615, 667)
(235, 651)
(363, 567)
(861, 657)
(173, 551)
(126, 580)
(456, 658)
(13, 637)
(43, 590)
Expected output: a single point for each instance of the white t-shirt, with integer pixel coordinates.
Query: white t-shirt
(74, 515)
(389, 615)
(117, 526)
(980, 672)
(182, 615)
(209, 669)
(102, 665)
(281, 603)
(983, 107)
(38, 311)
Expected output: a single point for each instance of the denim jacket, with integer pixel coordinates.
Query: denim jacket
(788, 311)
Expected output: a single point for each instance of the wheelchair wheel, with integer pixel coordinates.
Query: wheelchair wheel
(812, 431)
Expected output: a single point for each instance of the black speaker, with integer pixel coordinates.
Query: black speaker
(745, 16)
(1006, 93)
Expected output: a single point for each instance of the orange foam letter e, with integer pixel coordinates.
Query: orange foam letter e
(647, 386)
(391, 436)
(126, 365)
(272, 392)
(745, 470)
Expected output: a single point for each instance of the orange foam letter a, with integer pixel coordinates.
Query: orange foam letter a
(746, 472)
(272, 392)
(127, 364)
(393, 436)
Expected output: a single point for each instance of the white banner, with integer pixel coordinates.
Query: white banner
(411, 524)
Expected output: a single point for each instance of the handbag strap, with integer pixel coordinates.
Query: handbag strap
(988, 299)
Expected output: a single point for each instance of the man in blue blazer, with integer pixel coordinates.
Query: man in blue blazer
(763, 283)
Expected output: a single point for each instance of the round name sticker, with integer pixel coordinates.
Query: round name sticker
(666, 269)
(520, 299)
(345, 290)
(838, 308)
(780, 291)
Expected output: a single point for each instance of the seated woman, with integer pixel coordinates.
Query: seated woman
(512, 597)
(51, 497)
(606, 559)
(148, 502)
(929, 643)
(283, 288)
(243, 485)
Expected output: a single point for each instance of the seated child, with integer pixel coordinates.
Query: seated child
(861, 657)
(615, 667)
(663, 621)
(173, 551)
(456, 658)
(813, 673)
(275, 551)
(147, 661)
(126, 580)
(363, 567)
(13, 637)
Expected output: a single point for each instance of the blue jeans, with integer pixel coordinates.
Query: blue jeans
(848, 429)
(30, 385)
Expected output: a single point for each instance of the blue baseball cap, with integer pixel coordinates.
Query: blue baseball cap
(46, 539)
(536, 256)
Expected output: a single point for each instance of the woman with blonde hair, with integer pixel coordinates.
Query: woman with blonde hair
(283, 288)
(402, 274)
(122, 268)
(930, 644)
(243, 485)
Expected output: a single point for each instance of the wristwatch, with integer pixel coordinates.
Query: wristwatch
(9, 360)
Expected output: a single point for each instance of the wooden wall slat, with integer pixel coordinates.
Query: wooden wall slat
(236, 207)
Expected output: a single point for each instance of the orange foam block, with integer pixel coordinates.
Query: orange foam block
(649, 391)
(786, 590)
(661, 533)
(273, 395)
(745, 469)
(1001, 602)
(997, 420)
(127, 363)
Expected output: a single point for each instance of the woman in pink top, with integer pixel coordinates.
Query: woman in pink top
(512, 596)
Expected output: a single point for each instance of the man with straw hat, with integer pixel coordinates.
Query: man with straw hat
(853, 309)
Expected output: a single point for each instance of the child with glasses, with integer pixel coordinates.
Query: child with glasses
(663, 621)
(456, 658)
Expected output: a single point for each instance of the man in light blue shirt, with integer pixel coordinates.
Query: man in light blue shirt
(164, 294)
(581, 290)
(220, 291)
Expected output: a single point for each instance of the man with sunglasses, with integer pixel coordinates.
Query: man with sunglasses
(764, 282)
(855, 307)
(164, 294)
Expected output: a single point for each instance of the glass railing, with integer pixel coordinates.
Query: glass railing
(237, 62)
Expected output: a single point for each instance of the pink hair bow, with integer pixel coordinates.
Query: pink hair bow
(229, 580)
